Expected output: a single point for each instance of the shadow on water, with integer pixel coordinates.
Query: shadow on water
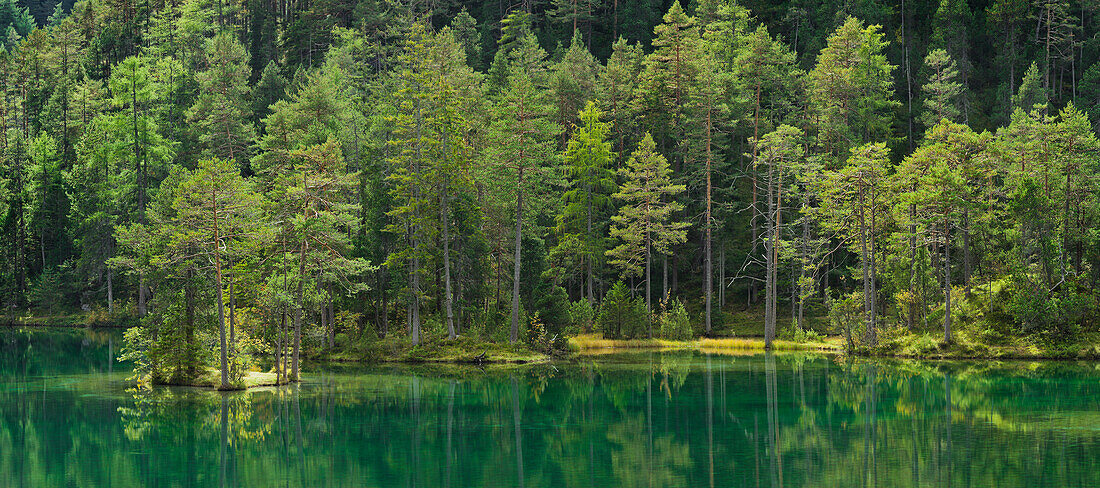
(67, 417)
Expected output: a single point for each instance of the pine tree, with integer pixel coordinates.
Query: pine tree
(667, 79)
(779, 151)
(522, 145)
(851, 88)
(615, 88)
(1031, 95)
(221, 114)
(572, 82)
(854, 200)
(941, 91)
(216, 215)
(646, 221)
(950, 33)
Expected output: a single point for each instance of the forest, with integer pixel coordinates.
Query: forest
(289, 178)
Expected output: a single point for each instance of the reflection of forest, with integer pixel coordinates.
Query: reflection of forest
(677, 419)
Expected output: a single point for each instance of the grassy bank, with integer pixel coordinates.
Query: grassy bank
(435, 350)
(967, 344)
(212, 379)
(589, 343)
(65, 318)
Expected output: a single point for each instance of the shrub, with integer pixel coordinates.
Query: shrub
(537, 338)
(552, 305)
(846, 314)
(620, 316)
(48, 290)
(581, 315)
(675, 324)
(1059, 314)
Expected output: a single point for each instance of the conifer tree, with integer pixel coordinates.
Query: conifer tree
(779, 152)
(217, 216)
(522, 145)
(646, 221)
(941, 91)
(851, 88)
(854, 200)
(590, 184)
(221, 114)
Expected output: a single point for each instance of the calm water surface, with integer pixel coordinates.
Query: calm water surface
(67, 418)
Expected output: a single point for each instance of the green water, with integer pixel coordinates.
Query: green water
(683, 419)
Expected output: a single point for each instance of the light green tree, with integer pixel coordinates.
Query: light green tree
(590, 181)
(941, 91)
(851, 88)
(854, 201)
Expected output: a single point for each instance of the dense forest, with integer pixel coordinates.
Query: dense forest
(280, 176)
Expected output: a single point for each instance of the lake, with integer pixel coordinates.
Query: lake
(69, 418)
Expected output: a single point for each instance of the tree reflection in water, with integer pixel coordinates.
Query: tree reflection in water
(675, 419)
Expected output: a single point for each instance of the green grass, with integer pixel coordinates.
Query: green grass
(251, 379)
(967, 344)
(435, 350)
(65, 317)
(588, 343)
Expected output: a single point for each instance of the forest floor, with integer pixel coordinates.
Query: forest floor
(35, 317)
(977, 344)
(251, 379)
(596, 344)
(435, 350)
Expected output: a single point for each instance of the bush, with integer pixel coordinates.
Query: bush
(581, 315)
(1059, 314)
(846, 315)
(537, 338)
(48, 290)
(675, 324)
(796, 334)
(552, 305)
(620, 316)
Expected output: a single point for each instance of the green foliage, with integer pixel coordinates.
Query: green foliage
(675, 323)
(581, 317)
(1057, 316)
(941, 90)
(851, 88)
(364, 130)
(646, 222)
(49, 289)
(622, 317)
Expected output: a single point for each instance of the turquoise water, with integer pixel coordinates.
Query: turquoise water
(67, 418)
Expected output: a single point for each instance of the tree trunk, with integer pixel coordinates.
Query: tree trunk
(648, 259)
(966, 251)
(864, 258)
(947, 283)
(294, 373)
(513, 334)
(216, 246)
(708, 269)
(414, 299)
(232, 317)
(664, 280)
(805, 261)
(722, 277)
(588, 242)
(110, 292)
(443, 217)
